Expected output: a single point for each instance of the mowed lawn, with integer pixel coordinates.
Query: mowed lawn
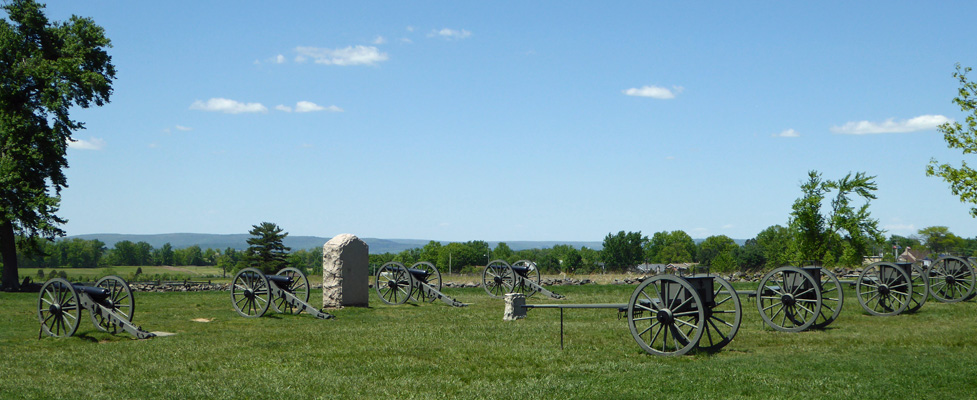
(432, 350)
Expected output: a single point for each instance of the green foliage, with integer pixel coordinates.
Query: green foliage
(713, 247)
(670, 247)
(623, 251)
(750, 256)
(962, 180)
(940, 240)
(49, 68)
(265, 249)
(775, 243)
(502, 251)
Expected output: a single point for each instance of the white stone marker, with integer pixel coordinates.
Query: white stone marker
(345, 272)
(514, 309)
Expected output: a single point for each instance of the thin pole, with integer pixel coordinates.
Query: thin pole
(561, 329)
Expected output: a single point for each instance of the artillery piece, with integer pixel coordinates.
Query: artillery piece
(887, 289)
(670, 315)
(110, 303)
(252, 292)
(395, 284)
(951, 279)
(500, 278)
(792, 299)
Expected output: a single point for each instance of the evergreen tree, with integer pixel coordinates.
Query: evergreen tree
(266, 250)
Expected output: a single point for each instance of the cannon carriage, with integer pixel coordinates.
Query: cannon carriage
(670, 315)
(792, 299)
(887, 289)
(499, 278)
(395, 284)
(253, 292)
(110, 304)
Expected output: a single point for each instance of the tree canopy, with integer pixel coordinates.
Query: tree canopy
(963, 179)
(48, 68)
(266, 250)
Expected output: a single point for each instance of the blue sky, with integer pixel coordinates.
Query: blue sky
(537, 120)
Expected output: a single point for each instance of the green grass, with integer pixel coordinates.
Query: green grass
(435, 351)
(127, 272)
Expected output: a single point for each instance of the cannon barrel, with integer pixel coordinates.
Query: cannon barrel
(419, 273)
(283, 281)
(96, 293)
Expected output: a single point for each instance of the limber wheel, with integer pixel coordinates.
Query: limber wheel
(531, 274)
(723, 316)
(433, 280)
(789, 300)
(832, 300)
(299, 288)
(498, 278)
(951, 279)
(666, 316)
(884, 289)
(120, 301)
(393, 283)
(250, 293)
(920, 287)
(58, 308)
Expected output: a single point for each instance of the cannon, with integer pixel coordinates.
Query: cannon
(395, 284)
(792, 299)
(887, 289)
(670, 315)
(252, 292)
(110, 304)
(522, 276)
(951, 279)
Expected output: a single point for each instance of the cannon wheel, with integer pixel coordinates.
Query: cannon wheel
(920, 286)
(832, 300)
(299, 288)
(951, 279)
(884, 289)
(120, 300)
(250, 293)
(433, 280)
(532, 274)
(498, 278)
(393, 283)
(58, 308)
(789, 299)
(666, 316)
(723, 317)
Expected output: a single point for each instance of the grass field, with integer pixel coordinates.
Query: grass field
(148, 272)
(435, 351)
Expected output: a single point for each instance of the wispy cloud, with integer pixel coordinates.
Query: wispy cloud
(352, 55)
(379, 40)
(183, 128)
(656, 92)
(92, 143)
(307, 106)
(920, 123)
(451, 34)
(227, 106)
(788, 133)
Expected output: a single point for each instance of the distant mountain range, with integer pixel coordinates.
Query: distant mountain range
(239, 242)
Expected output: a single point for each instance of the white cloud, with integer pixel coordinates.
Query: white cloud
(787, 133)
(728, 226)
(920, 123)
(379, 40)
(280, 59)
(352, 55)
(282, 107)
(227, 106)
(183, 128)
(451, 34)
(406, 41)
(93, 143)
(307, 106)
(656, 92)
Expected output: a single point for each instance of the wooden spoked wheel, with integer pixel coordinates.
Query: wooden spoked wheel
(789, 299)
(832, 300)
(884, 289)
(433, 280)
(920, 287)
(498, 278)
(120, 301)
(951, 279)
(723, 315)
(250, 293)
(394, 284)
(531, 274)
(58, 308)
(299, 288)
(666, 316)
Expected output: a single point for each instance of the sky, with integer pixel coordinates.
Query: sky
(513, 120)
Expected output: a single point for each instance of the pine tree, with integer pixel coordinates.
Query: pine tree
(266, 250)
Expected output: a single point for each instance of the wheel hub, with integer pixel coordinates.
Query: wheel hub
(950, 280)
(248, 293)
(787, 299)
(498, 280)
(55, 309)
(884, 290)
(391, 284)
(665, 317)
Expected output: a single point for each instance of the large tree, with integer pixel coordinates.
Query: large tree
(670, 247)
(623, 250)
(266, 250)
(962, 180)
(47, 68)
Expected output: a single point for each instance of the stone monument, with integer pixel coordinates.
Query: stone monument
(345, 272)
(514, 309)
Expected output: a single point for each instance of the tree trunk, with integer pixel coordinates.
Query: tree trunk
(8, 253)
